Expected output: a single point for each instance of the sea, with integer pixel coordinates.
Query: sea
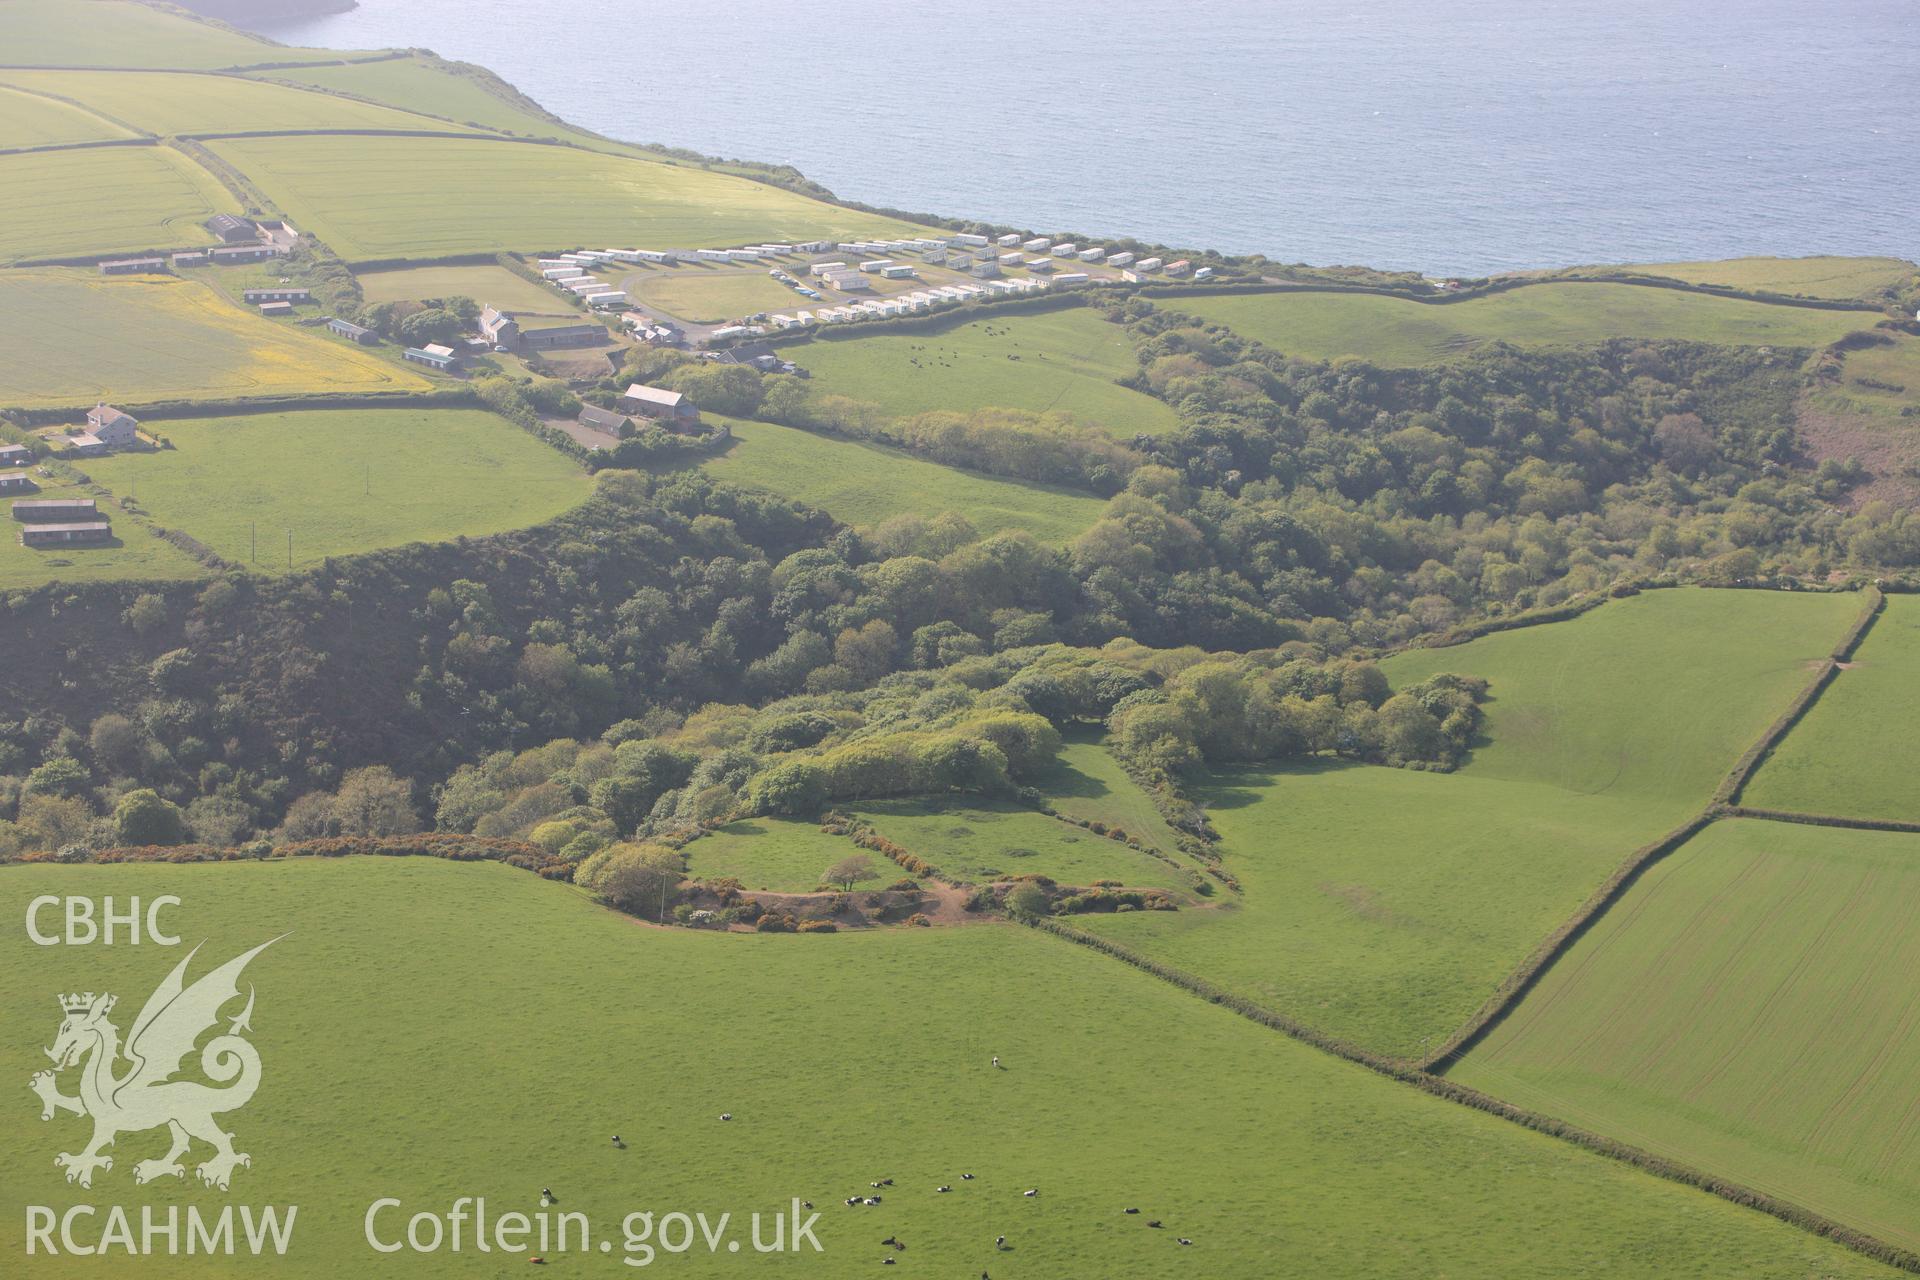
(1445, 136)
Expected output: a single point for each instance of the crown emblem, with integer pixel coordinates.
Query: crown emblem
(78, 1003)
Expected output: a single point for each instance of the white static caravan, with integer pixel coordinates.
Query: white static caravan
(563, 273)
(624, 255)
(1040, 264)
(826, 269)
(1204, 273)
(714, 255)
(1068, 279)
(1147, 265)
(682, 255)
(1092, 255)
(1010, 240)
(545, 263)
(803, 317)
(898, 271)
(1039, 244)
(1065, 250)
(1179, 268)
(1120, 260)
(873, 266)
(587, 286)
(606, 301)
(970, 240)
(1012, 259)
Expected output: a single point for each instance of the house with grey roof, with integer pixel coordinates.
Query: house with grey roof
(112, 427)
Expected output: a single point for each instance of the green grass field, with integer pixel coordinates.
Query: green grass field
(1385, 905)
(1057, 360)
(1882, 381)
(1394, 331)
(133, 555)
(864, 484)
(425, 85)
(75, 337)
(485, 284)
(1852, 754)
(28, 120)
(431, 1030)
(343, 480)
(1653, 697)
(400, 198)
(51, 205)
(1091, 785)
(990, 841)
(163, 102)
(120, 33)
(782, 855)
(703, 295)
(1815, 277)
(1748, 1009)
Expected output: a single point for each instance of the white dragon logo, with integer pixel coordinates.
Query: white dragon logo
(147, 1096)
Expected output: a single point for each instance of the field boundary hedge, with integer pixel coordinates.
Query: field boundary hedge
(1452, 1091)
(426, 844)
(1508, 994)
(462, 397)
(1743, 770)
(1492, 287)
(1822, 819)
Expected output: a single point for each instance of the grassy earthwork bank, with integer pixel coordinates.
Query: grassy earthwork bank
(781, 855)
(76, 337)
(1382, 906)
(1739, 1010)
(1067, 361)
(410, 997)
(393, 198)
(986, 841)
(342, 481)
(1853, 754)
(864, 484)
(1395, 331)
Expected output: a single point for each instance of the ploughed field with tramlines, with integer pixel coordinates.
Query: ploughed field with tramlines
(1206, 768)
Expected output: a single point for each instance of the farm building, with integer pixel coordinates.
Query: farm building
(433, 356)
(114, 428)
(191, 258)
(278, 231)
(498, 327)
(614, 424)
(564, 335)
(276, 308)
(66, 535)
(246, 253)
(134, 267)
(55, 510)
(15, 455)
(656, 402)
(85, 444)
(17, 482)
(354, 332)
(230, 228)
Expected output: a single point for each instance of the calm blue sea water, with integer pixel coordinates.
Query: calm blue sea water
(1443, 135)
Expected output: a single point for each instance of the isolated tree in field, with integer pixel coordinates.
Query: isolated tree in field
(1027, 899)
(373, 802)
(143, 817)
(850, 871)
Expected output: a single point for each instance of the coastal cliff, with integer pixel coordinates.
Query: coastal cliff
(244, 13)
